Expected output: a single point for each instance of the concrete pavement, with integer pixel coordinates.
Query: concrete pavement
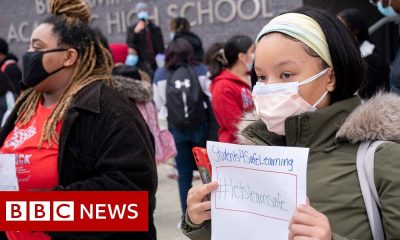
(168, 210)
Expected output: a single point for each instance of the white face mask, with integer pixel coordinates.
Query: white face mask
(274, 103)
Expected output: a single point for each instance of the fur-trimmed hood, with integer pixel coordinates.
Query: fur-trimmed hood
(377, 119)
(247, 119)
(139, 90)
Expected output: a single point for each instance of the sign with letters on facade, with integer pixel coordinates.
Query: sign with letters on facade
(212, 20)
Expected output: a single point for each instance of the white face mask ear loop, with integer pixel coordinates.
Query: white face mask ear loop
(323, 95)
(314, 77)
(320, 100)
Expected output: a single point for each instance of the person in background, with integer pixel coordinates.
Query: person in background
(213, 124)
(135, 59)
(229, 69)
(180, 27)
(186, 116)
(145, 35)
(388, 8)
(138, 88)
(308, 69)
(7, 97)
(135, 85)
(9, 66)
(77, 133)
(391, 8)
(378, 70)
(120, 55)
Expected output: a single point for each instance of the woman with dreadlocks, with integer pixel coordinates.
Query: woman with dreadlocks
(69, 130)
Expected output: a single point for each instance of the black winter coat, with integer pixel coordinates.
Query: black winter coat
(104, 145)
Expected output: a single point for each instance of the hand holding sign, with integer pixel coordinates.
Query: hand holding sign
(308, 222)
(199, 210)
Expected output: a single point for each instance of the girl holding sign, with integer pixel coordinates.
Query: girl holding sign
(309, 69)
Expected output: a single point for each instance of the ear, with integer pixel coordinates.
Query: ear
(71, 57)
(242, 57)
(331, 81)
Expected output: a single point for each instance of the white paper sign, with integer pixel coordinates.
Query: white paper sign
(259, 189)
(8, 173)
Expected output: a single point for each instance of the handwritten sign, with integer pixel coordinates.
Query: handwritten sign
(259, 189)
(8, 173)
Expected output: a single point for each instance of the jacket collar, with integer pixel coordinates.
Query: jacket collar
(88, 98)
(376, 119)
(316, 130)
(140, 91)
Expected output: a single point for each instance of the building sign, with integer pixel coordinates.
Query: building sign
(212, 20)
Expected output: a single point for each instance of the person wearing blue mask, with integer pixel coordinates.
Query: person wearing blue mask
(145, 35)
(388, 8)
(391, 8)
(135, 59)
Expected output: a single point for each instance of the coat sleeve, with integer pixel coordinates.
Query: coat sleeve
(196, 232)
(387, 181)
(336, 236)
(133, 168)
(131, 36)
(159, 90)
(158, 40)
(125, 162)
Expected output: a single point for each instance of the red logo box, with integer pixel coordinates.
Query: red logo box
(74, 211)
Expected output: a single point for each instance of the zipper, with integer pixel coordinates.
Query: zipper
(185, 107)
(298, 130)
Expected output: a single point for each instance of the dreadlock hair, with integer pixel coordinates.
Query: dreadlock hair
(70, 19)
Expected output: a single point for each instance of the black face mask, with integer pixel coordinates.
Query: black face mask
(34, 72)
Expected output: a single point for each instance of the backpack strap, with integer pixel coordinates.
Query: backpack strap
(6, 63)
(365, 171)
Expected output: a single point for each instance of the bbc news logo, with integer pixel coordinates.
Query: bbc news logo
(39, 211)
(74, 211)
